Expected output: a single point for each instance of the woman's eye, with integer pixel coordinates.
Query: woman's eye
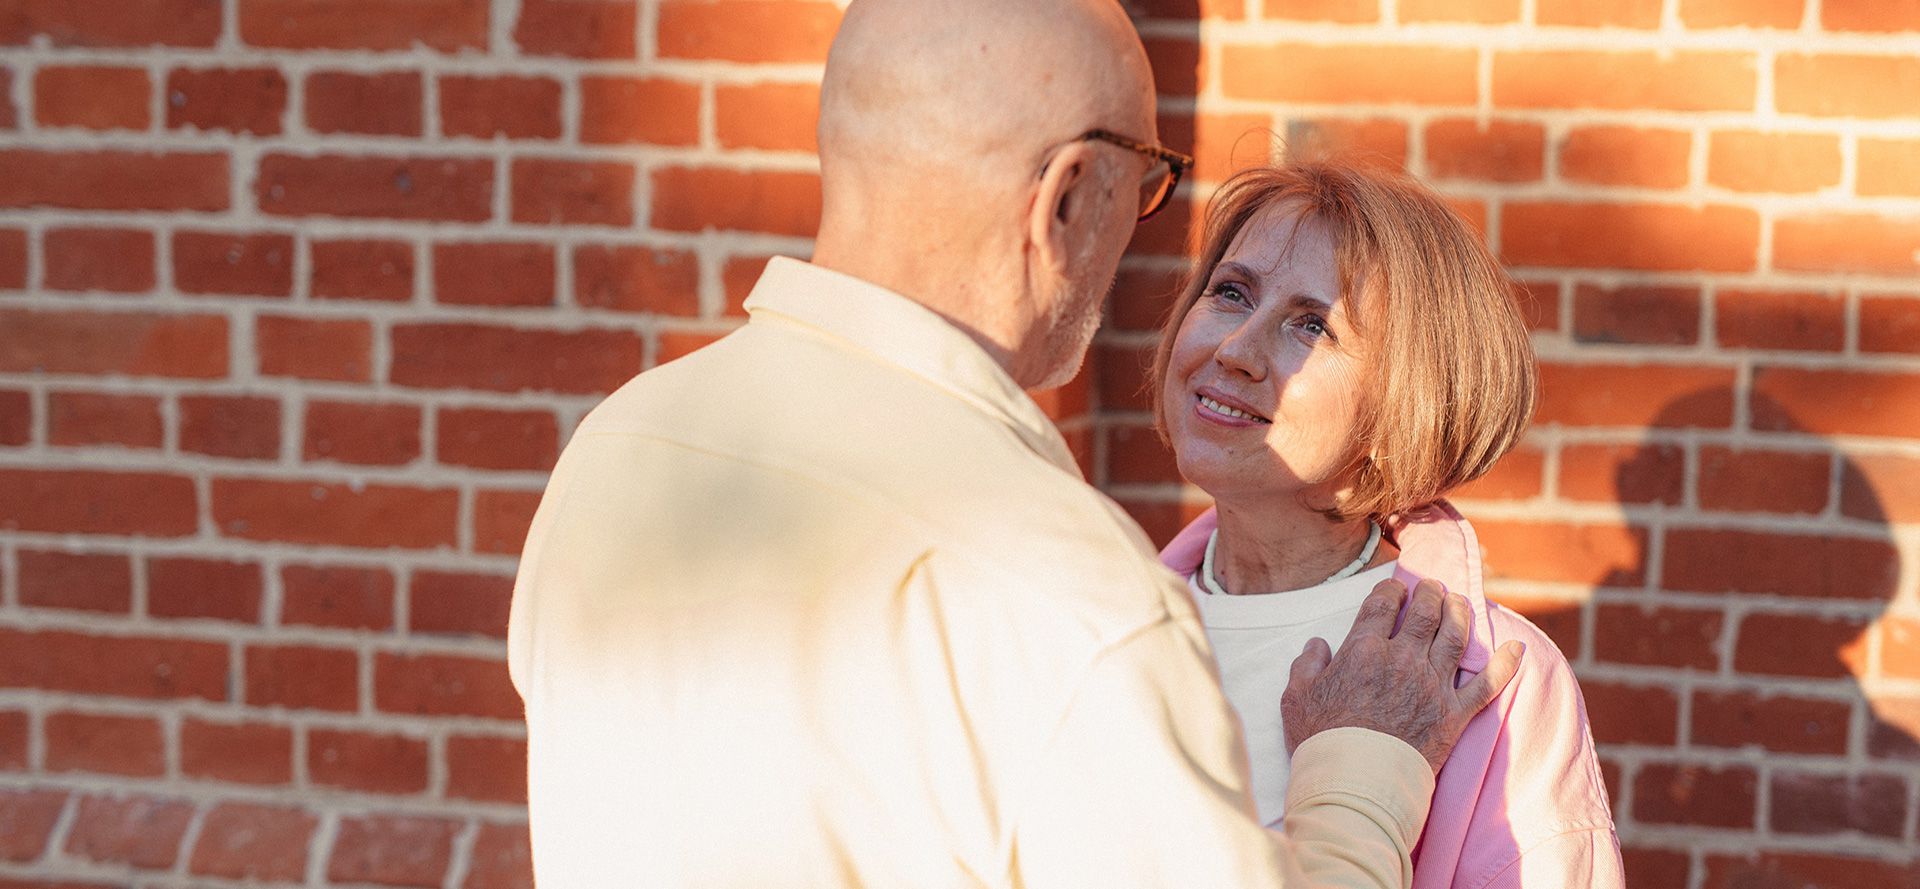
(1314, 325)
(1228, 292)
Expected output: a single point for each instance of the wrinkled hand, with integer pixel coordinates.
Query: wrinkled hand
(1398, 683)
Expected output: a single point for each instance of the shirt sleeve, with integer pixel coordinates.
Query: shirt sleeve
(1144, 783)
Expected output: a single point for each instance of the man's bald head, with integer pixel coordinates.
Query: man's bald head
(931, 95)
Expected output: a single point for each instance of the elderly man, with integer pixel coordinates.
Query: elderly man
(828, 603)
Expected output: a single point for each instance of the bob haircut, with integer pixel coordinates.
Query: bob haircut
(1453, 372)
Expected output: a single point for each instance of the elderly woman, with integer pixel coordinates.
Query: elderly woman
(1344, 354)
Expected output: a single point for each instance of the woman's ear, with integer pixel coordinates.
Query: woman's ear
(1058, 218)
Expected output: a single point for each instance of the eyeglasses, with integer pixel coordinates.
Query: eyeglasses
(1157, 185)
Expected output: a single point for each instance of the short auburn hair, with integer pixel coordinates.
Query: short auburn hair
(1453, 366)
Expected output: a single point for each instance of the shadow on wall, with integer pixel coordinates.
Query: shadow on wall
(1771, 630)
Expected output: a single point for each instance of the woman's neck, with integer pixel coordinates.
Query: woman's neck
(1270, 550)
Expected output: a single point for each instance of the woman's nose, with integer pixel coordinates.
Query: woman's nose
(1242, 353)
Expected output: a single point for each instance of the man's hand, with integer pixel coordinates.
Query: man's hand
(1397, 683)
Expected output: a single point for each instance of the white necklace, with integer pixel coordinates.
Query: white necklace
(1366, 555)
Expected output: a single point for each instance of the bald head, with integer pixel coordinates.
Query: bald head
(926, 97)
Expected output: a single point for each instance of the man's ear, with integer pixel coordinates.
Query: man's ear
(1058, 215)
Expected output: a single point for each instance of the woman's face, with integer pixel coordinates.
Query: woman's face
(1266, 378)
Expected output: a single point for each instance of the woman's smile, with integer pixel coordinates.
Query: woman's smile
(1224, 410)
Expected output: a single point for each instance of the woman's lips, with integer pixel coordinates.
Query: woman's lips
(1210, 407)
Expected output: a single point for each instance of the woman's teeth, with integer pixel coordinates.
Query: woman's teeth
(1219, 408)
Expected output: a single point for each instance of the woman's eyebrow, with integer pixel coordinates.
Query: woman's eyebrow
(1236, 269)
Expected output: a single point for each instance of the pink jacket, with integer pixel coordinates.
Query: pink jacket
(1521, 803)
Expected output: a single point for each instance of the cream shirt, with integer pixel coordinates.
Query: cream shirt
(828, 604)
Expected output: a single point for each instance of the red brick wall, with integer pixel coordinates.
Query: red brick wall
(299, 299)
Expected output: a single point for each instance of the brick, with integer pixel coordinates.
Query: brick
(13, 255)
(114, 180)
(636, 279)
(585, 29)
(443, 685)
(9, 115)
(340, 596)
(1654, 316)
(1173, 232)
(1658, 637)
(1788, 163)
(502, 858)
(1832, 85)
(1377, 143)
(97, 418)
(1140, 300)
(1620, 155)
(113, 23)
(1124, 384)
(16, 418)
(116, 260)
(1635, 395)
(1847, 242)
(484, 438)
(371, 515)
(392, 850)
(1636, 81)
(1517, 476)
(240, 427)
(692, 199)
(248, 841)
(639, 110)
(1893, 728)
(1764, 481)
(503, 359)
(420, 188)
(94, 97)
(362, 434)
(363, 269)
(15, 730)
(27, 819)
(501, 518)
(1475, 11)
(1695, 795)
(1646, 473)
(1776, 723)
(1779, 14)
(459, 603)
(1888, 167)
(375, 763)
(445, 25)
(134, 746)
(506, 105)
(1585, 553)
(1501, 151)
(1307, 73)
(1836, 402)
(1886, 16)
(1809, 803)
(1655, 867)
(1899, 647)
(677, 344)
(235, 100)
(76, 581)
(773, 116)
(1176, 65)
(1136, 455)
(1875, 488)
(493, 273)
(140, 831)
(1222, 144)
(1632, 714)
(113, 666)
(784, 30)
(314, 348)
(1807, 870)
(1189, 10)
(549, 191)
(1800, 645)
(1341, 11)
(1643, 14)
(204, 588)
(96, 502)
(1560, 619)
(386, 103)
(1788, 321)
(237, 752)
(1652, 237)
(303, 677)
(233, 264)
(487, 769)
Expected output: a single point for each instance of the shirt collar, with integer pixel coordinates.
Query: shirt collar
(901, 332)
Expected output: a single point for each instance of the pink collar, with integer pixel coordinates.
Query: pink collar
(1435, 543)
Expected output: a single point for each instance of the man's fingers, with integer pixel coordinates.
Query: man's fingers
(1423, 616)
(1491, 681)
(1378, 611)
(1451, 642)
(1311, 661)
